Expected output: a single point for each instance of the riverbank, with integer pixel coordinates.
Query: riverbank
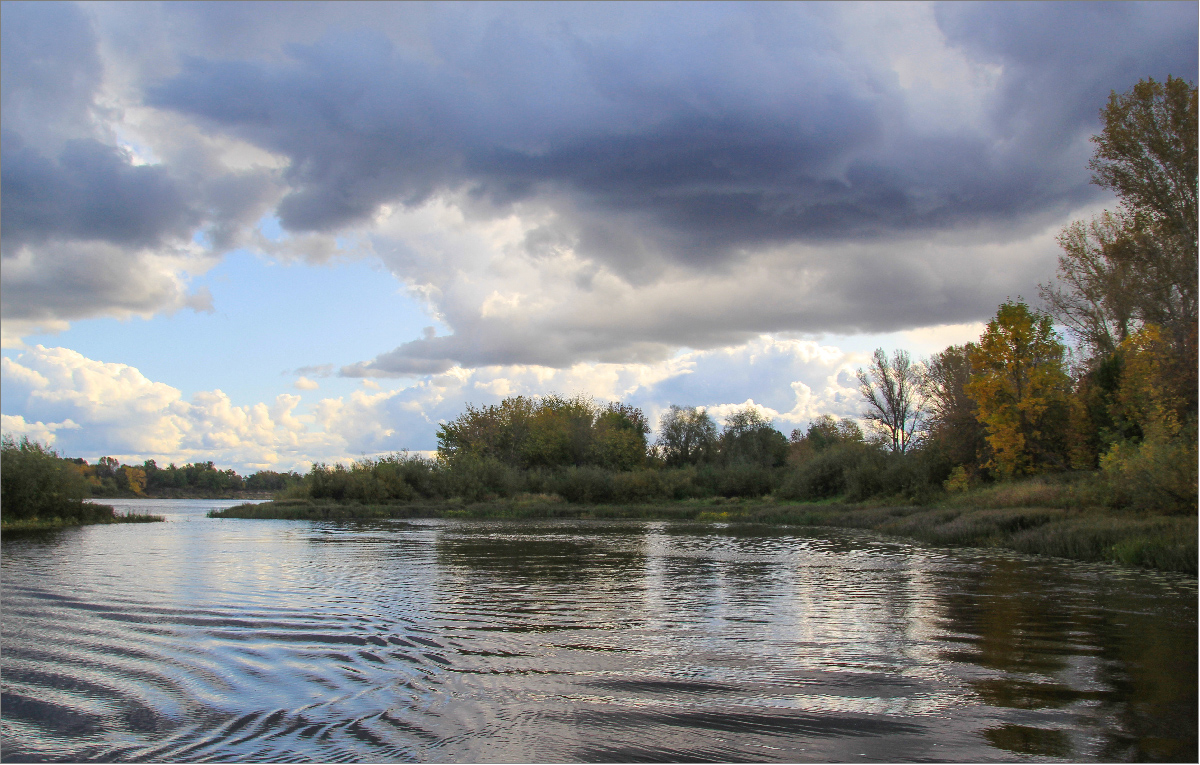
(1163, 542)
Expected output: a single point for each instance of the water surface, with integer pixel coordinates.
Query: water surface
(216, 639)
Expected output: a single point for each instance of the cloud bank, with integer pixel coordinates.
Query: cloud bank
(564, 183)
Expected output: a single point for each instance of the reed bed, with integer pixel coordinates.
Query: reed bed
(1164, 542)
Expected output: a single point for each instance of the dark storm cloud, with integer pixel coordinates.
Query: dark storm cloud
(1060, 64)
(59, 182)
(87, 229)
(90, 192)
(657, 141)
(721, 128)
(50, 67)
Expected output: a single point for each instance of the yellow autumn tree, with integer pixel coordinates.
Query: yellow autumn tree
(1156, 470)
(134, 479)
(1020, 390)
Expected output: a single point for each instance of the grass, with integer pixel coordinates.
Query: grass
(54, 523)
(1164, 542)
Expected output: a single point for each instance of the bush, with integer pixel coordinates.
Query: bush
(476, 479)
(585, 484)
(823, 476)
(1157, 474)
(743, 480)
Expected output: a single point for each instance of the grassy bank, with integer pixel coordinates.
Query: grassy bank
(101, 515)
(1164, 542)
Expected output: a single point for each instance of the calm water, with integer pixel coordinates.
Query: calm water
(203, 639)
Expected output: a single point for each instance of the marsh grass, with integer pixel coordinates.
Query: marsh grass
(1088, 534)
(93, 514)
(1062, 490)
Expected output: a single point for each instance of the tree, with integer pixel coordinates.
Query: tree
(951, 420)
(749, 438)
(686, 435)
(560, 432)
(892, 391)
(1146, 153)
(1137, 265)
(620, 437)
(1156, 467)
(822, 433)
(37, 483)
(1020, 390)
(132, 479)
(1096, 299)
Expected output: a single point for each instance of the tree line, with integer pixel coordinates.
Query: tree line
(107, 477)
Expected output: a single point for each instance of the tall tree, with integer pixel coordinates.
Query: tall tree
(620, 437)
(891, 389)
(1137, 265)
(750, 438)
(1020, 390)
(686, 435)
(951, 420)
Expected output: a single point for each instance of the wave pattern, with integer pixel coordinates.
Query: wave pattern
(202, 639)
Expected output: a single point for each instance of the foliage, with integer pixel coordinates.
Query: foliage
(823, 431)
(270, 481)
(686, 436)
(953, 427)
(1146, 153)
(550, 431)
(1137, 265)
(749, 439)
(891, 389)
(958, 481)
(619, 437)
(1020, 389)
(1155, 465)
(36, 483)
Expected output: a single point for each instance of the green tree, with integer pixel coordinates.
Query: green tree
(619, 442)
(36, 483)
(551, 431)
(686, 436)
(822, 433)
(560, 432)
(749, 438)
(952, 424)
(1020, 390)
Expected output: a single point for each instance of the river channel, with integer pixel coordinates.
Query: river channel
(563, 641)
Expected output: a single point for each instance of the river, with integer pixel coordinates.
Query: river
(552, 641)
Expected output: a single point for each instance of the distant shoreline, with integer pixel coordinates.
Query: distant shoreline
(187, 495)
(1162, 542)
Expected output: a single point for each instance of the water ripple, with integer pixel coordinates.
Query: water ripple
(201, 639)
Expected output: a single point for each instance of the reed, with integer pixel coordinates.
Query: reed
(102, 514)
(1093, 534)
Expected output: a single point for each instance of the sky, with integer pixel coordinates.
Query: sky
(270, 234)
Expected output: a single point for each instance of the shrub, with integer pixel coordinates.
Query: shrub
(743, 480)
(585, 484)
(958, 481)
(1157, 474)
(823, 476)
(476, 479)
